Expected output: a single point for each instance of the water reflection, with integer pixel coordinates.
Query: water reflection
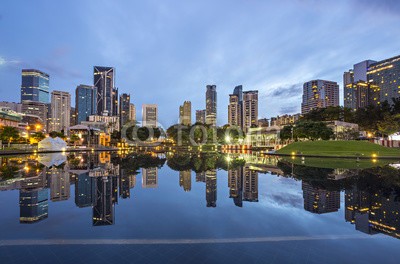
(372, 195)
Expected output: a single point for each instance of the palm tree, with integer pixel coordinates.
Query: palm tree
(8, 134)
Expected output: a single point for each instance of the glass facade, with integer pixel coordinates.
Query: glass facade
(85, 102)
(107, 94)
(34, 86)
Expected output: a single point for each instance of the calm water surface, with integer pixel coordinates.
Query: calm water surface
(160, 208)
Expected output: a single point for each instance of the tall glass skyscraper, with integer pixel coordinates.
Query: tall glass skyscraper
(211, 105)
(107, 94)
(85, 102)
(35, 86)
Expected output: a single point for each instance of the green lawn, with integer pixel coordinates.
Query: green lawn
(339, 148)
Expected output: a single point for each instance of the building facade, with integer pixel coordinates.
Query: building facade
(201, 116)
(132, 113)
(211, 105)
(124, 108)
(35, 86)
(319, 94)
(107, 93)
(60, 111)
(384, 77)
(85, 102)
(149, 115)
(185, 113)
(250, 109)
(38, 109)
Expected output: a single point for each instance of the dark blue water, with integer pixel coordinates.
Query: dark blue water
(84, 210)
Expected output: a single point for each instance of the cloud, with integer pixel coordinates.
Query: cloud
(287, 91)
(289, 109)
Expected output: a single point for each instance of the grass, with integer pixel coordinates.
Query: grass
(339, 149)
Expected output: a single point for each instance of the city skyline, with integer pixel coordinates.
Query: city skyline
(213, 60)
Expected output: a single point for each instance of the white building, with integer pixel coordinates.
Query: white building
(149, 115)
(60, 111)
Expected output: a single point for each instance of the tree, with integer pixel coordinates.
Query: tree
(389, 125)
(38, 136)
(55, 134)
(74, 138)
(9, 134)
(312, 130)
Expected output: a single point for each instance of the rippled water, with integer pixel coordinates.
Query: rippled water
(197, 208)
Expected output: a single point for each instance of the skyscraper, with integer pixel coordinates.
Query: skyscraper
(124, 108)
(355, 86)
(319, 94)
(60, 111)
(35, 86)
(250, 109)
(107, 94)
(201, 116)
(132, 112)
(185, 113)
(85, 102)
(103, 208)
(235, 112)
(384, 76)
(149, 115)
(211, 105)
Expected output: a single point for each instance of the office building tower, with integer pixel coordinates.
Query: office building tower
(149, 177)
(185, 113)
(149, 115)
(132, 113)
(35, 86)
(60, 111)
(355, 86)
(107, 93)
(124, 108)
(250, 185)
(33, 205)
(85, 102)
(36, 109)
(319, 94)
(85, 190)
(201, 116)
(211, 188)
(320, 201)
(384, 76)
(250, 109)
(185, 180)
(211, 105)
(235, 112)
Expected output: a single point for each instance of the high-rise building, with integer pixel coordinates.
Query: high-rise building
(132, 112)
(250, 109)
(107, 93)
(36, 109)
(185, 113)
(385, 78)
(149, 115)
(355, 87)
(124, 108)
(150, 177)
(320, 201)
(211, 188)
(72, 117)
(185, 180)
(201, 116)
(319, 94)
(60, 111)
(35, 86)
(235, 113)
(211, 105)
(85, 102)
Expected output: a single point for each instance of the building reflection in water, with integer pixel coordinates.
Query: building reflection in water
(150, 177)
(320, 201)
(59, 183)
(126, 183)
(185, 180)
(200, 176)
(373, 213)
(243, 185)
(85, 190)
(211, 188)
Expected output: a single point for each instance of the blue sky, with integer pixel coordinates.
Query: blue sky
(166, 52)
